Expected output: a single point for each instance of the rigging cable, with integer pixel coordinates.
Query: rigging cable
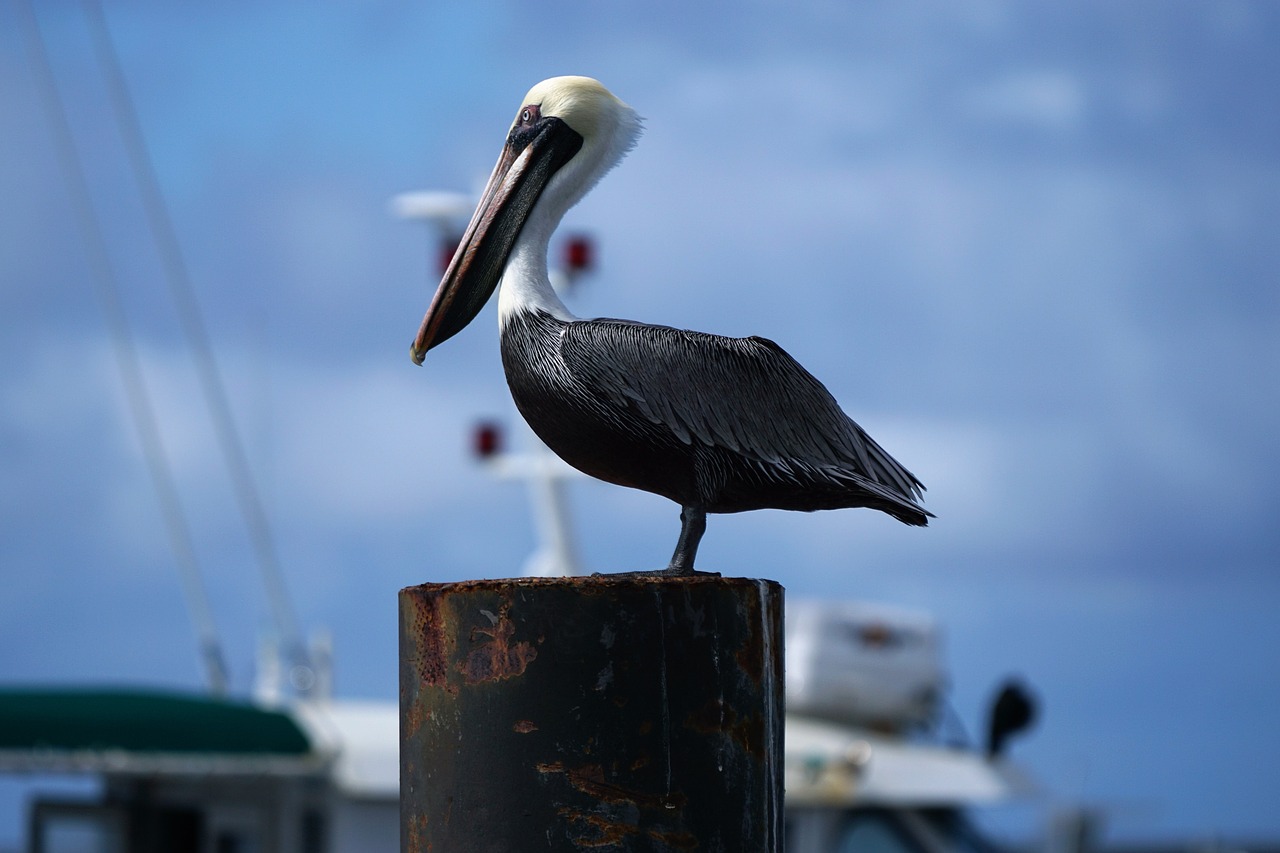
(131, 375)
(183, 294)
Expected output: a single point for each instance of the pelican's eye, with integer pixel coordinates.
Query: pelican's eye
(529, 115)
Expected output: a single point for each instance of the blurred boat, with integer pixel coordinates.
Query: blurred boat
(192, 772)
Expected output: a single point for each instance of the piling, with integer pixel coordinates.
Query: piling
(610, 714)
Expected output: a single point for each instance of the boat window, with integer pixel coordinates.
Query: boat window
(874, 832)
(313, 831)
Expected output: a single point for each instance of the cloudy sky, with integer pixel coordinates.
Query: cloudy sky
(1032, 250)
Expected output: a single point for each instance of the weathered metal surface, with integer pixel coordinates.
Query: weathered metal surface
(598, 714)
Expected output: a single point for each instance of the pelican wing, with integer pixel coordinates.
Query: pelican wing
(745, 394)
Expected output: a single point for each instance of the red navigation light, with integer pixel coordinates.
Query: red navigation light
(877, 635)
(579, 254)
(448, 245)
(486, 440)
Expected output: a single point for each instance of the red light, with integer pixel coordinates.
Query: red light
(877, 636)
(448, 245)
(486, 441)
(579, 255)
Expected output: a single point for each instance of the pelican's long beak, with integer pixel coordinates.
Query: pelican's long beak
(532, 155)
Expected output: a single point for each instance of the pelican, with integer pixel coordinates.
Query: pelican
(715, 424)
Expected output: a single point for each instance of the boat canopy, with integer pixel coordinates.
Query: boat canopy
(142, 730)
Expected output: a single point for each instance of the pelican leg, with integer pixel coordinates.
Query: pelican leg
(693, 523)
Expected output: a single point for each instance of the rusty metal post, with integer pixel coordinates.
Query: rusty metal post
(604, 714)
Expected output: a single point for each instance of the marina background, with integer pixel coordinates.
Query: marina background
(1031, 249)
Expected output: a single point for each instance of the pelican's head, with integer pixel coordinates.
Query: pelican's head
(567, 134)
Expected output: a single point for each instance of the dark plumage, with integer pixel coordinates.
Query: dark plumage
(715, 424)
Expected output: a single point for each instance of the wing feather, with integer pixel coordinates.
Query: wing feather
(744, 394)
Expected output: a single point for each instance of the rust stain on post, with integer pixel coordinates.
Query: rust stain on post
(590, 779)
(431, 648)
(589, 830)
(500, 658)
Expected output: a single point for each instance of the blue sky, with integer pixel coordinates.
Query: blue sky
(1031, 249)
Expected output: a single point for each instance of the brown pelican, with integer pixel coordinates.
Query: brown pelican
(715, 424)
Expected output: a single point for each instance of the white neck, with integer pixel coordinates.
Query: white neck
(526, 285)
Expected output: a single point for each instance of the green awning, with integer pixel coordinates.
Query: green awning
(142, 721)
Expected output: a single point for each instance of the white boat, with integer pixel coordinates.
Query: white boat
(865, 686)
